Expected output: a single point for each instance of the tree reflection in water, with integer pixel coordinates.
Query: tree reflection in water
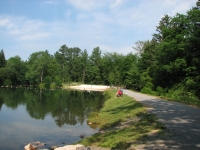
(65, 106)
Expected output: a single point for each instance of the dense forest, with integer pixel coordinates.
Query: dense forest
(167, 65)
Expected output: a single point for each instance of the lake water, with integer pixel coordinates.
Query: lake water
(51, 117)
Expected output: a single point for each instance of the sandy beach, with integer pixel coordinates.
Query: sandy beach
(89, 87)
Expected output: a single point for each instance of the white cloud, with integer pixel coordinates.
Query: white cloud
(3, 22)
(86, 5)
(181, 8)
(68, 13)
(116, 3)
(33, 36)
(178, 6)
(51, 2)
(21, 28)
(113, 25)
(125, 50)
(98, 37)
(121, 50)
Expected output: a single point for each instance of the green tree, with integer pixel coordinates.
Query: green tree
(106, 69)
(127, 62)
(2, 59)
(84, 64)
(74, 63)
(61, 58)
(53, 69)
(192, 53)
(37, 67)
(93, 74)
(14, 71)
(171, 58)
(133, 78)
(140, 46)
(6, 75)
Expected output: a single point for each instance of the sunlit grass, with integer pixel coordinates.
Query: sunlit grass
(116, 111)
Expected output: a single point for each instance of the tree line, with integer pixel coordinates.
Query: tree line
(67, 65)
(168, 64)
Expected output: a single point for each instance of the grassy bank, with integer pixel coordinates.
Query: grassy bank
(122, 122)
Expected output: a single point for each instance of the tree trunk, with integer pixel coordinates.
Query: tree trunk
(83, 78)
(63, 73)
(41, 76)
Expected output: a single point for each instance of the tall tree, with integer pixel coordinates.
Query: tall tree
(37, 66)
(18, 69)
(53, 69)
(2, 59)
(84, 64)
(116, 72)
(140, 46)
(61, 58)
(170, 51)
(70, 61)
(74, 63)
(133, 78)
(162, 29)
(94, 69)
(192, 50)
(14, 72)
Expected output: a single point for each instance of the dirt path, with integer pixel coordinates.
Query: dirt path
(182, 121)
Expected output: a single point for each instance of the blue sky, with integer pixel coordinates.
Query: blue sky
(28, 26)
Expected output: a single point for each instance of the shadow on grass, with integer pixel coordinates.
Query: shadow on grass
(122, 138)
(124, 108)
(127, 110)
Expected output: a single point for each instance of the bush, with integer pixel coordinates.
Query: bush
(160, 91)
(149, 85)
(147, 90)
(179, 93)
(41, 85)
(53, 86)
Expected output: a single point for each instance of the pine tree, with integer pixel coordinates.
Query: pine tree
(2, 59)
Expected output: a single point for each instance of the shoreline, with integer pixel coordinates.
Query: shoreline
(90, 87)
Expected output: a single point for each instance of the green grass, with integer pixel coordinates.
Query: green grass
(114, 113)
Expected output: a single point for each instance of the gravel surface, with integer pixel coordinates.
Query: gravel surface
(182, 122)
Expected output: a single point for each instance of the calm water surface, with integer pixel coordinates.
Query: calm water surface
(51, 117)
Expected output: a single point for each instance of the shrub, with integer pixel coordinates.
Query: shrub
(41, 85)
(147, 90)
(160, 90)
(179, 93)
(52, 86)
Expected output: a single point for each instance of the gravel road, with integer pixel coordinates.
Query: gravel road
(182, 121)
